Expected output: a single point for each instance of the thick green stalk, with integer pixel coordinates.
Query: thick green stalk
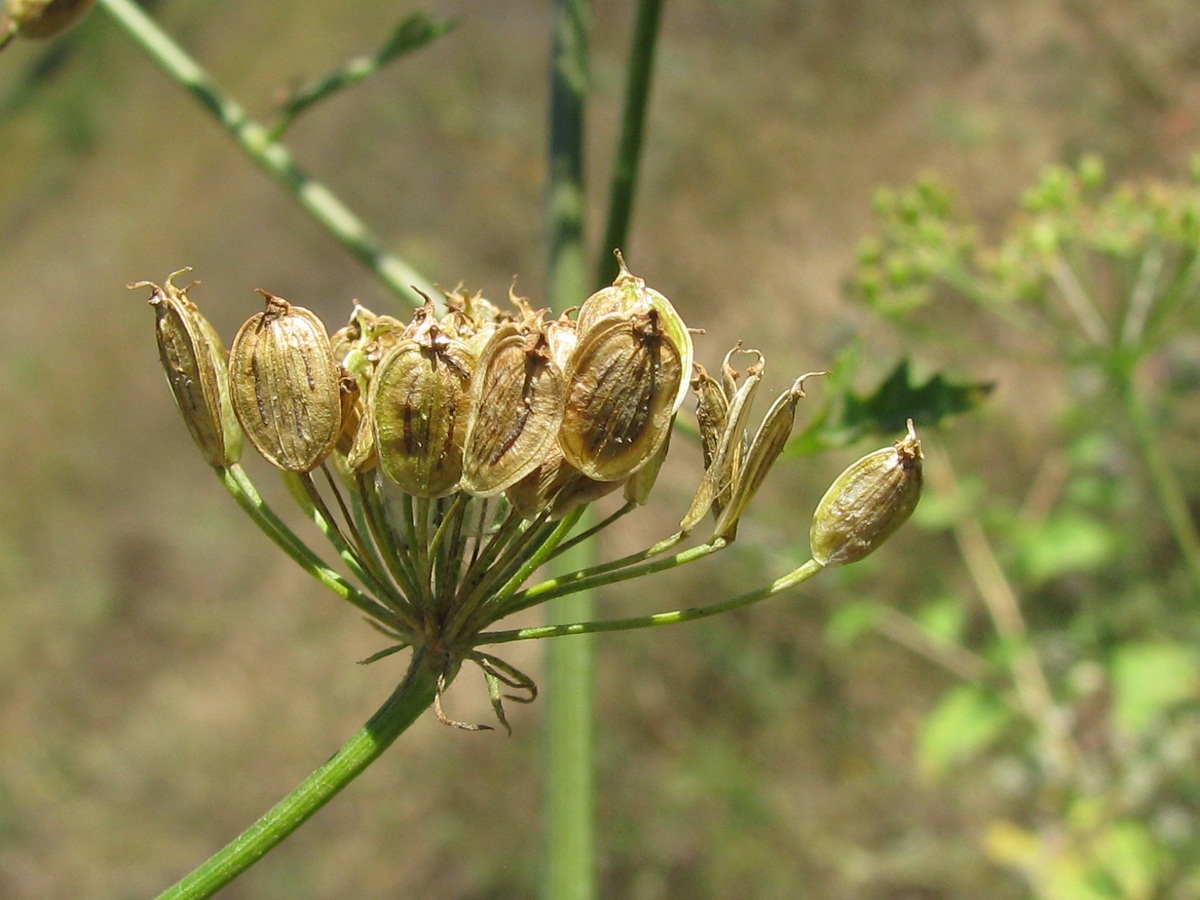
(568, 829)
(629, 148)
(272, 156)
(414, 695)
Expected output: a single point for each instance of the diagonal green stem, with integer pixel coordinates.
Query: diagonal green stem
(243, 491)
(414, 695)
(674, 617)
(273, 157)
(414, 32)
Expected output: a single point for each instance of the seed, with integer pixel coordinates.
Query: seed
(621, 397)
(868, 502)
(768, 443)
(721, 473)
(418, 401)
(555, 487)
(516, 409)
(286, 385)
(193, 358)
(43, 18)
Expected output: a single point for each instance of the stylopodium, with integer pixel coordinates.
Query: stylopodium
(458, 451)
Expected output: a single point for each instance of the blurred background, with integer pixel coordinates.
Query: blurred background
(166, 674)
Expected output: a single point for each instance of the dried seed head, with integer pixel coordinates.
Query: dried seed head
(193, 358)
(516, 409)
(768, 443)
(418, 402)
(867, 502)
(43, 18)
(286, 385)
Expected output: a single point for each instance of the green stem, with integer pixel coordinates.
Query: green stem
(1171, 496)
(415, 31)
(273, 157)
(568, 829)
(629, 147)
(674, 617)
(243, 491)
(414, 695)
(597, 576)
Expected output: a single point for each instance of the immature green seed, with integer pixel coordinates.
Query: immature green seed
(622, 387)
(867, 502)
(516, 409)
(419, 401)
(286, 385)
(193, 358)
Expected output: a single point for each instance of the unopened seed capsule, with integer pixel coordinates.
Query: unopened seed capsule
(286, 385)
(193, 358)
(867, 503)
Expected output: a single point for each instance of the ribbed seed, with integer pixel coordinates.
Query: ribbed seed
(193, 358)
(621, 393)
(44, 18)
(722, 472)
(418, 402)
(285, 385)
(516, 409)
(769, 441)
(868, 502)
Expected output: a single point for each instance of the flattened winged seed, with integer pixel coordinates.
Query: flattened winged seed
(621, 395)
(516, 410)
(285, 385)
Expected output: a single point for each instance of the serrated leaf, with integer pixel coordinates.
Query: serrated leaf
(846, 416)
(885, 410)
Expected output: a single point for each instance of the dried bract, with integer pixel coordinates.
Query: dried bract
(286, 386)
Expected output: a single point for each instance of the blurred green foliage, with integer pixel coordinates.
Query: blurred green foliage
(1083, 679)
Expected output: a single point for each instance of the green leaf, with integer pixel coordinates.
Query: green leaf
(847, 417)
(850, 622)
(1148, 679)
(1062, 544)
(1128, 856)
(967, 720)
(885, 410)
